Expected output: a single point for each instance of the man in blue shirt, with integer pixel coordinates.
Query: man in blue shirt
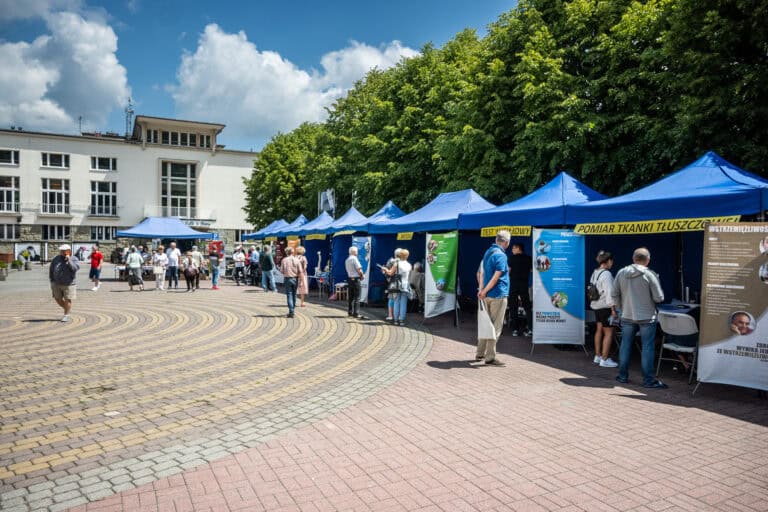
(493, 289)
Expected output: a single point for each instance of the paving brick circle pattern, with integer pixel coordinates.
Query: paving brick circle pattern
(141, 385)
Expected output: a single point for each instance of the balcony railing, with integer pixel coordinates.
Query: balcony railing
(182, 212)
(103, 211)
(54, 208)
(11, 206)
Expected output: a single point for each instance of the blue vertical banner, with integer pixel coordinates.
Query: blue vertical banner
(363, 244)
(559, 294)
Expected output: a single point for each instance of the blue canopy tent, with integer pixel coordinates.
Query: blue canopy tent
(350, 223)
(315, 240)
(258, 235)
(163, 227)
(709, 187)
(288, 230)
(441, 214)
(545, 206)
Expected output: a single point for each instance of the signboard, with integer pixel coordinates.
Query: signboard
(440, 278)
(405, 236)
(558, 287)
(733, 339)
(363, 244)
(513, 230)
(650, 226)
(315, 237)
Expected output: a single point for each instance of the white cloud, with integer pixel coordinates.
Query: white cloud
(258, 93)
(72, 71)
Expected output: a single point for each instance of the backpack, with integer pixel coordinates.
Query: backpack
(592, 292)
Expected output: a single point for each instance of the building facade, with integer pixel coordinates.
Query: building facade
(83, 188)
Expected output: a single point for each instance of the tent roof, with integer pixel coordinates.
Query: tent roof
(351, 216)
(709, 187)
(290, 229)
(386, 213)
(441, 214)
(163, 227)
(545, 206)
(275, 224)
(315, 226)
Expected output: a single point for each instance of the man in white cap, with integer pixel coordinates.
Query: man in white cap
(62, 274)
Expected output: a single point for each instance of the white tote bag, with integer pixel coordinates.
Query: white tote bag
(485, 328)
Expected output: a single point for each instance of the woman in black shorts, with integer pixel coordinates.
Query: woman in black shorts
(604, 309)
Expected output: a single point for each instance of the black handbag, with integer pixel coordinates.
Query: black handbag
(393, 282)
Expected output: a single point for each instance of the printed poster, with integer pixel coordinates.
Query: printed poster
(733, 335)
(440, 278)
(363, 244)
(559, 294)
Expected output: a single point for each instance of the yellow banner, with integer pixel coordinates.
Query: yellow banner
(271, 239)
(348, 232)
(405, 236)
(315, 237)
(292, 237)
(651, 226)
(513, 230)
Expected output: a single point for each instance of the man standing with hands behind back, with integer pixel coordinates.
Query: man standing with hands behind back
(493, 283)
(636, 290)
(62, 274)
(355, 274)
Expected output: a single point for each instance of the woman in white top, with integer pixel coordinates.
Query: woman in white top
(159, 267)
(604, 309)
(402, 270)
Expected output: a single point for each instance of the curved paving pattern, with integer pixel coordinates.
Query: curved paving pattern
(140, 386)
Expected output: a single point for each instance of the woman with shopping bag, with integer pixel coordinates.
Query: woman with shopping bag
(493, 289)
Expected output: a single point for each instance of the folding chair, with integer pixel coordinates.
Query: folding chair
(677, 324)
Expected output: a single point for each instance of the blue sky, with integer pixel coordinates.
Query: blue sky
(257, 66)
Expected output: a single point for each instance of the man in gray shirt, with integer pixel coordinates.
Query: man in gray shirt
(354, 276)
(636, 290)
(62, 274)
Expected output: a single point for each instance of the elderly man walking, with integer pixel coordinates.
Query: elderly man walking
(355, 274)
(62, 274)
(637, 290)
(493, 289)
(290, 266)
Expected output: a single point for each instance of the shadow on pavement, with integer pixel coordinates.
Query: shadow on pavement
(451, 365)
(41, 320)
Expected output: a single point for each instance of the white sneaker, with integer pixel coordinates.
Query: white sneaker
(597, 360)
(528, 333)
(65, 318)
(608, 363)
(515, 333)
(95, 288)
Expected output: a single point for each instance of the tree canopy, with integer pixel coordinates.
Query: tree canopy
(617, 92)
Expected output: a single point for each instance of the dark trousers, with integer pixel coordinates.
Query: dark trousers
(254, 268)
(239, 275)
(519, 323)
(291, 283)
(353, 293)
(173, 277)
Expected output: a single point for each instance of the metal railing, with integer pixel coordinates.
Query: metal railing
(9, 206)
(54, 208)
(105, 211)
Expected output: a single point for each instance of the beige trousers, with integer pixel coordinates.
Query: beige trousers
(496, 310)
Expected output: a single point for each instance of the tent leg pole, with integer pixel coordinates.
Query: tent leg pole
(533, 346)
(695, 388)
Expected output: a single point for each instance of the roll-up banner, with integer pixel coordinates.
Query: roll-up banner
(440, 279)
(558, 287)
(733, 339)
(363, 244)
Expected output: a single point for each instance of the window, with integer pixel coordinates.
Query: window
(55, 196)
(174, 138)
(239, 234)
(101, 163)
(178, 189)
(104, 198)
(185, 139)
(205, 141)
(9, 231)
(103, 232)
(152, 136)
(9, 194)
(59, 160)
(192, 139)
(52, 232)
(166, 138)
(9, 156)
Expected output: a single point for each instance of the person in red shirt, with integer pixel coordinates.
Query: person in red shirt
(96, 259)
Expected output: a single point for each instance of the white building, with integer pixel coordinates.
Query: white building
(83, 188)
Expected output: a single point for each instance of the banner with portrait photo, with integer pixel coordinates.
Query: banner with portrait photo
(558, 287)
(733, 339)
(363, 244)
(29, 251)
(440, 278)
